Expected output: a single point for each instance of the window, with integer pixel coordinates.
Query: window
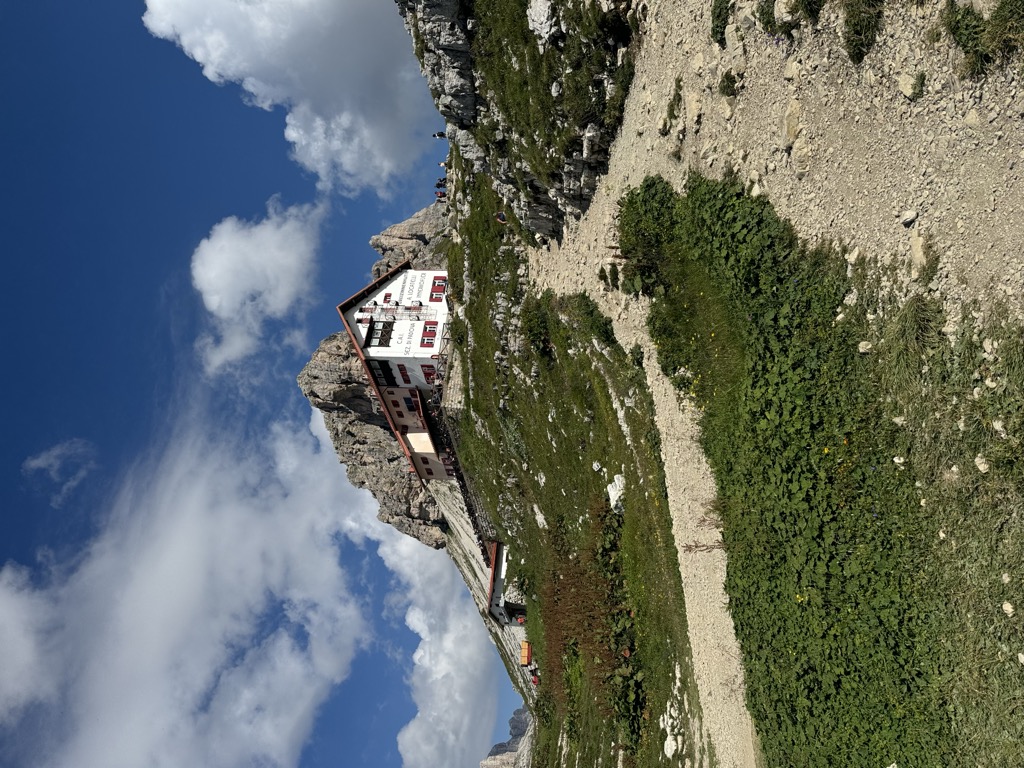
(430, 471)
(380, 333)
(424, 460)
(409, 405)
(399, 414)
(387, 298)
(429, 373)
(438, 287)
(382, 374)
(429, 333)
(404, 429)
(404, 373)
(394, 402)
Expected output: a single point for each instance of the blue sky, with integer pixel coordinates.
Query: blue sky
(186, 577)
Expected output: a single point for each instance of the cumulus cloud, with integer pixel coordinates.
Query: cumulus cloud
(66, 465)
(452, 680)
(343, 69)
(249, 273)
(211, 617)
(155, 649)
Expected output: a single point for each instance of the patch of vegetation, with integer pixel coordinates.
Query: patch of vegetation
(646, 220)
(985, 42)
(918, 90)
(727, 84)
(870, 500)
(765, 14)
(673, 107)
(808, 9)
(720, 12)
(542, 435)
(861, 25)
(519, 77)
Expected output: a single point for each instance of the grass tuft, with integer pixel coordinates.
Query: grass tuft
(869, 501)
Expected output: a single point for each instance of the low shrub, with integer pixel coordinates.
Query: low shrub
(982, 41)
(727, 84)
(861, 25)
(720, 12)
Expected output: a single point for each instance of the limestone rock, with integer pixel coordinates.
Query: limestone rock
(334, 382)
(518, 725)
(691, 103)
(540, 17)
(783, 14)
(917, 256)
(905, 83)
(415, 239)
(735, 51)
(745, 16)
(446, 63)
(791, 123)
(728, 107)
(801, 156)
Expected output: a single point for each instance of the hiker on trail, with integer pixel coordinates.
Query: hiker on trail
(439, 135)
(440, 185)
(441, 194)
(501, 218)
(442, 179)
(442, 164)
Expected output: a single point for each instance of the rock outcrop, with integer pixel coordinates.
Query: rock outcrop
(518, 724)
(441, 32)
(516, 751)
(334, 382)
(416, 239)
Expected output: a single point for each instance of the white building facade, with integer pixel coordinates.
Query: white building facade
(398, 325)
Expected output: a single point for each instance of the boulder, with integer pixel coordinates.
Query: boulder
(791, 123)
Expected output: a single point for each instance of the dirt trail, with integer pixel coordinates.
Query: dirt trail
(573, 267)
(844, 153)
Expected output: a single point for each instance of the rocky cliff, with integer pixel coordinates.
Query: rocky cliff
(514, 752)
(442, 32)
(334, 382)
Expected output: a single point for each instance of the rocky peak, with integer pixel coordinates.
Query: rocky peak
(334, 382)
(416, 239)
(516, 751)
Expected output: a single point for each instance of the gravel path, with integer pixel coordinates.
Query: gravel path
(691, 488)
(842, 152)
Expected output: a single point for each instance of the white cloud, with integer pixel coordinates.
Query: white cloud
(25, 615)
(66, 464)
(211, 617)
(153, 649)
(453, 681)
(250, 272)
(358, 107)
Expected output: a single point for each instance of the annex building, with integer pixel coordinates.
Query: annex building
(398, 326)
